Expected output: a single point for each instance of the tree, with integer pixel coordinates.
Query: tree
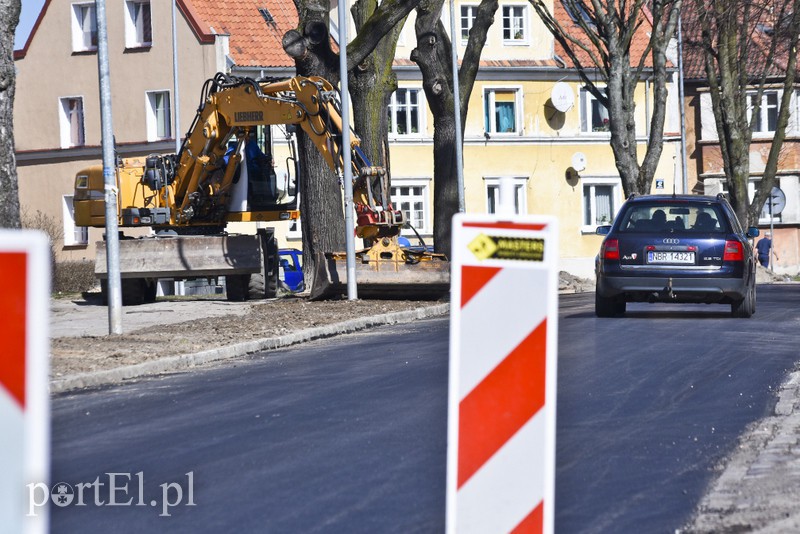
(433, 54)
(9, 191)
(599, 42)
(310, 46)
(746, 44)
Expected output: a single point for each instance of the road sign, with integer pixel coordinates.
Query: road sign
(502, 384)
(776, 201)
(24, 398)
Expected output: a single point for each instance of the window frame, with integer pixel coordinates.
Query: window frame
(394, 108)
(761, 126)
(425, 196)
(78, 30)
(470, 17)
(74, 236)
(489, 116)
(587, 99)
(65, 122)
(151, 115)
(492, 183)
(616, 199)
(132, 38)
(525, 21)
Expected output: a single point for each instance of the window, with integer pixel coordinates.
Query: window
(71, 122)
(158, 116)
(594, 115)
(138, 28)
(493, 195)
(514, 27)
(468, 14)
(600, 201)
(767, 119)
(73, 235)
(411, 197)
(405, 117)
(295, 229)
(577, 11)
(84, 28)
(501, 110)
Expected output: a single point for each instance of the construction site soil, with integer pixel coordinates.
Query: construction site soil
(79, 325)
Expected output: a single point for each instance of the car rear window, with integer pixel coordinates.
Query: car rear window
(666, 217)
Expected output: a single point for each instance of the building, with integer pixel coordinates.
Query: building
(530, 118)
(705, 164)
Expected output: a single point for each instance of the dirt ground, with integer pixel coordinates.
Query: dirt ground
(79, 327)
(85, 353)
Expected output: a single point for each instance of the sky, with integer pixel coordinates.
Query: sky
(30, 10)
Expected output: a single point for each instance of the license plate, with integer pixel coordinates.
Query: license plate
(663, 256)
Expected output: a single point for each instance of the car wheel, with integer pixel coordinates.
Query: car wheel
(746, 307)
(607, 306)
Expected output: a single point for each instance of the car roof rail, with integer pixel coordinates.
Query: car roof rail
(721, 196)
(632, 195)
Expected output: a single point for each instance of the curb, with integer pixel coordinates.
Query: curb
(186, 361)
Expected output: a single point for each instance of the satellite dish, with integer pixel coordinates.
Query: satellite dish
(579, 161)
(562, 97)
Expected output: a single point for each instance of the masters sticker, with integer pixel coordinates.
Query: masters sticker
(486, 247)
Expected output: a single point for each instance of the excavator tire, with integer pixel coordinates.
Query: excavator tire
(255, 286)
(264, 285)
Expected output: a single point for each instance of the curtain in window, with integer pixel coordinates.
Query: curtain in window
(603, 198)
(75, 114)
(504, 116)
(162, 115)
(88, 26)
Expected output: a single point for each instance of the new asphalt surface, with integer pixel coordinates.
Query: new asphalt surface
(758, 487)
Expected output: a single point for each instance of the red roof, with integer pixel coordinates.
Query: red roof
(256, 27)
(638, 45)
(760, 34)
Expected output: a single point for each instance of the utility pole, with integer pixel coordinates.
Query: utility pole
(114, 290)
(347, 172)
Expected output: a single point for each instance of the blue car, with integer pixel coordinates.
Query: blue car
(291, 269)
(675, 248)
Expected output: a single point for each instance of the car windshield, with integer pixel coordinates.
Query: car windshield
(673, 217)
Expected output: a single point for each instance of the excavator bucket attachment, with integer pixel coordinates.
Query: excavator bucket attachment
(384, 271)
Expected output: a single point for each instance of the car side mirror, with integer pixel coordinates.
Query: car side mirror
(603, 230)
(752, 232)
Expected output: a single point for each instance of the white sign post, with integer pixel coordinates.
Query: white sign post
(502, 385)
(24, 397)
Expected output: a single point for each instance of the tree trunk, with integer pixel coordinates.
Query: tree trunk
(322, 220)
(433, 54)
(739, 42)
(603, 38)
(9, 189)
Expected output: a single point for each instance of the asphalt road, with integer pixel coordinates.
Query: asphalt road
(348, 434)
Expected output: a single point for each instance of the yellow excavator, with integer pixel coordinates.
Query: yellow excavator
(221, 174)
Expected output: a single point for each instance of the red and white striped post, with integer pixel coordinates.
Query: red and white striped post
(24, 397)
(502, 385)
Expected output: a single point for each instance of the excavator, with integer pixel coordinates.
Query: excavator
(221, 175)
